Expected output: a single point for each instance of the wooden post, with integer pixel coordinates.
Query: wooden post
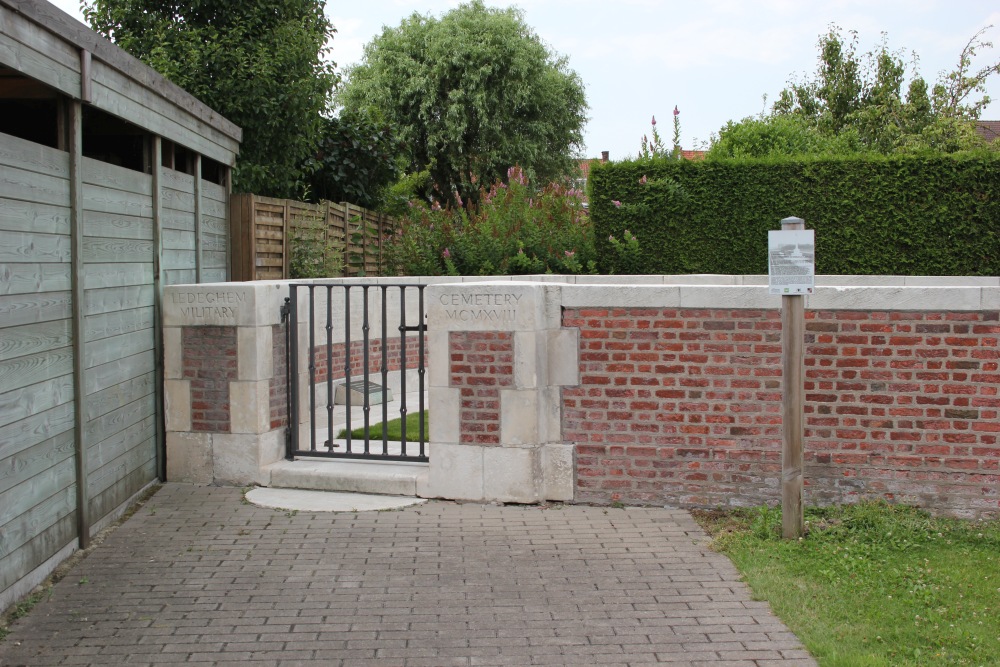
(793, 398)
(199, 230)
(232, 259)
(74, 125)
(286, 246)
(158, 280)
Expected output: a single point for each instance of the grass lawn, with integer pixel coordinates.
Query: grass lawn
(874, 584)
(395, 429)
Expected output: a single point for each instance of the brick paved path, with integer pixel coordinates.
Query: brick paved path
(198, 576)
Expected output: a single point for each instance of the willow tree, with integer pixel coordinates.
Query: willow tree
(260, 64)
(470, 94)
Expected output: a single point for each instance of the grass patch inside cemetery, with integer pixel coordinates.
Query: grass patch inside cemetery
(394, 429)
(873, 584)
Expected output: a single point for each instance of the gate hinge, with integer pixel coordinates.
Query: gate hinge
(286, 308)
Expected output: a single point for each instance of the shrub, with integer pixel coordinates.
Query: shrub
(908, 215)
(514, 231)
(313, 254)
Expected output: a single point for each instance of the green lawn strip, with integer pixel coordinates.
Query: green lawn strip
(874, 584)
(395, 430)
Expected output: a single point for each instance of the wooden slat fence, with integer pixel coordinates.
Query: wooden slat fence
(261, 227)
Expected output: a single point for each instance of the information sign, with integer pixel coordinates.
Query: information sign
(791, 261)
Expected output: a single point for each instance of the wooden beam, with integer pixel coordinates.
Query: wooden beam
(161, 446)
(199, 230)
(62, 24)
(86, 85)
(74, 124)
(228, 176)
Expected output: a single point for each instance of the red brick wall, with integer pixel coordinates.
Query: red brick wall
(481, 363)
(278, 386)
(208, 359)
(684, 407)
(394, 358)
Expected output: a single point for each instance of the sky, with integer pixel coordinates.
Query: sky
(712, 59)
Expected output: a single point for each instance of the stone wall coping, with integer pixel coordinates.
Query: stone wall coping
(259, 303)
(916, 298)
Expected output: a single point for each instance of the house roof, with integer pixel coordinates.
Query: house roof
(687, 155)
(988, 129)
(585, 167)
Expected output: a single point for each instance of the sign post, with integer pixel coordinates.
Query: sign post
(792, 274)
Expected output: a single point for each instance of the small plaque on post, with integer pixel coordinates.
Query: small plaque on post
(791, 261)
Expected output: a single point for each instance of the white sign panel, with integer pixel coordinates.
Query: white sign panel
(791, 261)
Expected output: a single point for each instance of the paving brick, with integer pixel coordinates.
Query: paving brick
(206, 579)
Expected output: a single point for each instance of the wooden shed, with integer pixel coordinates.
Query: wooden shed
(113, 183)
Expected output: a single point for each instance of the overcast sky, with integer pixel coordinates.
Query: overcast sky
(713, 59)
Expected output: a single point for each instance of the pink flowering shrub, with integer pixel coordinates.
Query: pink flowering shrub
(514, 230)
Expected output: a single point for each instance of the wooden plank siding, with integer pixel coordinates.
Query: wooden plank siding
(37, 498)
(118, 329)
(261, 228)
(85, 247)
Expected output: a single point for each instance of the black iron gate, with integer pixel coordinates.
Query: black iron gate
(345, 365)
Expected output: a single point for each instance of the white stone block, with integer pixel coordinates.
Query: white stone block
(271, 446)
(269, 298)
(189, 458)
(528, 373)
(563, 357)
(550, 414)
(438, 359)
(552, 307)
(249, 407)
(455, 472)
(486, 306)
(173, 351)
(728, 296)
(254, 353)
(518, 417)
(990, 298)
(511, 474)
(219, 304)
(445, 406)
(621, 296)
(236, 459)
(558, 472)
(895, 298)
(177, 405)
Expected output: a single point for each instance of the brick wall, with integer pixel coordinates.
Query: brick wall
(208, 359)
(278, 386)
(684, 407)
(336, 360)
(481, 364)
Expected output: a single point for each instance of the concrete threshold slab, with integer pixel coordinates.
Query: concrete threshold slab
(381, 478)
(326, 501)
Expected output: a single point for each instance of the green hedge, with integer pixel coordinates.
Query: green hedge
(872, 215)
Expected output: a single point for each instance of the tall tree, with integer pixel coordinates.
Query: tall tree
(260, 64)
(471, 94)
(356, 161)
(856, 103)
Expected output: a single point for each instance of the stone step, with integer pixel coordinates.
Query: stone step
(385, 478)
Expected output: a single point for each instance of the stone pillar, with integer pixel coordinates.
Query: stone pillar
(499, 357)
(224, 381)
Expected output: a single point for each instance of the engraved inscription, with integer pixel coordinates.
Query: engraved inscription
(202, 305)
(481, 307)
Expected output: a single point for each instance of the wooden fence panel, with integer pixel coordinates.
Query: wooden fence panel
(37, 499)
(261, 227)
(118, 322)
